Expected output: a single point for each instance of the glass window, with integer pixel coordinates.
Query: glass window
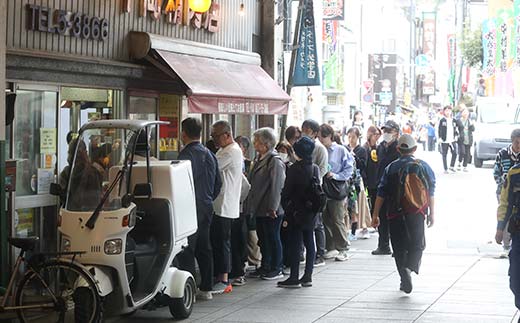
(145, 108)
(34, 145)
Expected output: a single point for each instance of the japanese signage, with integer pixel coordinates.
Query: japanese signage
(489, 46)
(306, 71)
(47, 140)
(429, 41)
(223, 105)
(515, 48)
(382, 69)
(504, 22)
(177, 12)
(331, 65)
(452, 60)
(333, 10)
(56, 21)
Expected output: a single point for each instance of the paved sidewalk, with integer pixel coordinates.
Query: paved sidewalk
(451, 288)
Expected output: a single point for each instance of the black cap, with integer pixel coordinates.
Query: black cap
(390, 124)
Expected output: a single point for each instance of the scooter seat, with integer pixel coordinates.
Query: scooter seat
(26, 244)
(146, 248)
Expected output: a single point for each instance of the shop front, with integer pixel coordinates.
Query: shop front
(79, 61)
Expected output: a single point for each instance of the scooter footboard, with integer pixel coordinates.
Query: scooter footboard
(173, 282)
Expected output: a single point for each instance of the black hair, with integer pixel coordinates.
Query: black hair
(311, 124)
(354, 130)
(292, 132)
(326, 130)
(192, 127)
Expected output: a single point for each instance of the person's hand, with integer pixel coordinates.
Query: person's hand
(430, 220)
(375, 220)
(329, 175)
(272, 214)
(499, 236)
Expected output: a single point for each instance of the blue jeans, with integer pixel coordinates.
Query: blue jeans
(268, 231)
(514, 267)
(296, 236)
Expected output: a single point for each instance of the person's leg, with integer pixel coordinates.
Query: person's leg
(383, 244)
(226, 249)
(453, 148)
(467, 155)
(462, 152)
(254, 257)
(237, 244)
(319, 233)
(372, 195)
(338, 228)
(514, 268)
(328, 224)
(204, 255)
(273, 236)
(308, 242)
(444, 152)
(295, 244)
(263, 243)
(400, 240)
(416, 243)
(217, 244)
(285, 238)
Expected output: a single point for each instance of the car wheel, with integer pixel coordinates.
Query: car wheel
(478, 162)
(180, 308)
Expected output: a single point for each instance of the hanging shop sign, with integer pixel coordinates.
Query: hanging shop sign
(178, 12)
(333, 10)
(489, 45)
(429, 43)
(62, 22)
(306, 71)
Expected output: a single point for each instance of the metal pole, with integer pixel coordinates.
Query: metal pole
(4, 247)
(294, 51)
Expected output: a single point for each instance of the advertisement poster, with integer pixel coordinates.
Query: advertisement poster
(47, 140)
(24, 222)
(45, 178)
(429, 41)
(169, 106)
(333, 10)
(306, 69)
(489, 46)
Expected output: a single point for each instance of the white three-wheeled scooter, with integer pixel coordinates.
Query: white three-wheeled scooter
(130, 217)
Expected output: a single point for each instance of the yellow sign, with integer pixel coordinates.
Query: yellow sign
(47, 140)
(169, 106)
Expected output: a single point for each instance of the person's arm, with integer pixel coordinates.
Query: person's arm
(498, 170)
(225, 160)
(380, 199)
(288, 188)
(218, 179)
(503, 211)
(322, 160)
(277, 174)
(377, 208)
(430, 220)
(347, 167)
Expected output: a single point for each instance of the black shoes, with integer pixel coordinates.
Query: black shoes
(289, 283)
(380, 251)
(406, 281)
(306, 281)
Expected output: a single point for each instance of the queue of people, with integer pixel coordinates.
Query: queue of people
(298, 201)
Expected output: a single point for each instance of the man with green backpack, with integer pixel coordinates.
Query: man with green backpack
(409, 185)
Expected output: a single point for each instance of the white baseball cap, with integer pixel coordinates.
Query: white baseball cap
(406, 142)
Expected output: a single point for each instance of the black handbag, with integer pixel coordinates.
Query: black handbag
(334, 189)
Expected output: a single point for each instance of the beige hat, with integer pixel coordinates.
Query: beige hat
(406, 142)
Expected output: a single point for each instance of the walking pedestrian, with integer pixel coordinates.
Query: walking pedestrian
(508, 216)
(448, 135)
(466, 129)
(409, 185)
(227, 205)
(207, 182)
(311, 128)
(432, 138)
(267, 178)
(372, 180)
(341, 167)
(386, 153)
(506, 158)
(299, 216)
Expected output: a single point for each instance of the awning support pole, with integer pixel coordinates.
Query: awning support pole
(294, 52)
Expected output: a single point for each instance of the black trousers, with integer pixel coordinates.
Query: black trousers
(444, 150)
(408, 242)
(372, 195)
(319, 234)
(221, 242)
(296, 237)
(199, 247)
(239, 234)
(383, 229)
(464, 154)
(431, 143)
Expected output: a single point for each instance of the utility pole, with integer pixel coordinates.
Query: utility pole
(294, 51)
(4, 247)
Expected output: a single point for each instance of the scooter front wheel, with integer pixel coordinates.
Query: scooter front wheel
(180, 308)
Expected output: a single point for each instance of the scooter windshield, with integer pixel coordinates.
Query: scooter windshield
(99, 155)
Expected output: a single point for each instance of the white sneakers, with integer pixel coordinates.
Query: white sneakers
(331, 254)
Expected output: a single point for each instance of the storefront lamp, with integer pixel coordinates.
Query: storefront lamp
(242, 11)
(199, 5)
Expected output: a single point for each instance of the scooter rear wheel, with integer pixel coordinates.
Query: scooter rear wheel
(180, 308)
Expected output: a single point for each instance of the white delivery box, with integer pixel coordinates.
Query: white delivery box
(172, 180)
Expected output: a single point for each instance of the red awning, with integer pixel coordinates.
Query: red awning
(218, 86)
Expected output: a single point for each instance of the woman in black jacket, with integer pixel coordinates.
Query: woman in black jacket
(466, 129)
(300, 219)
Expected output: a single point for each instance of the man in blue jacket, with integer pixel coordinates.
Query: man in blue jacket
(207, 182)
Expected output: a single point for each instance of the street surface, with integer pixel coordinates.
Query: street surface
(461, 280)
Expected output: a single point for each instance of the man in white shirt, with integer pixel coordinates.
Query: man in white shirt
(227, 205)
(448, 135)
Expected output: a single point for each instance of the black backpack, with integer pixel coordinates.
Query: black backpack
(316, 197)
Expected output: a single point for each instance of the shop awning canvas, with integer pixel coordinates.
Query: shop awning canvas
(220, 86)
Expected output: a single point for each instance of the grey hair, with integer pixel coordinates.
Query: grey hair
(266, 136)
(224, 126)
(515, 134)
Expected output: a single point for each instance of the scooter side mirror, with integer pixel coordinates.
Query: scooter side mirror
(127, 200)
(55, 189)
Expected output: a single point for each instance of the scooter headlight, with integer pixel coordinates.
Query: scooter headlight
(65, 244)
(113, 247)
